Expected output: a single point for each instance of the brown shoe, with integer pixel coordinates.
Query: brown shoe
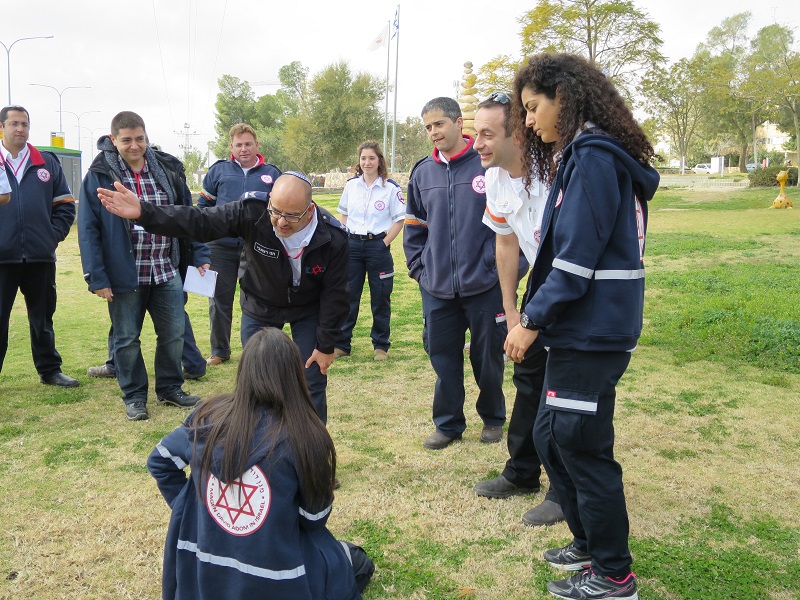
(216, 360)
(381, 354)
(437, 441)
(491, 434)
(339, 353)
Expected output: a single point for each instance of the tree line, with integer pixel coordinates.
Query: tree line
(707, 105)
(315, 124)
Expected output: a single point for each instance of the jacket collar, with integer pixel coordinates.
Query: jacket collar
(467, 138)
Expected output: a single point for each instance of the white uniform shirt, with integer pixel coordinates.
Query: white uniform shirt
(511, 209)
(17, 164)
(372, 209)
(5, 186)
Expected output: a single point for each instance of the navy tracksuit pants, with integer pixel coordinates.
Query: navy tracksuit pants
(446, 324)
(574, 437)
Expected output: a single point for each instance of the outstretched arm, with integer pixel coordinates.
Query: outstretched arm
(121, 202)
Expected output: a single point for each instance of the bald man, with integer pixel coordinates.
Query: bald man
(296, 262)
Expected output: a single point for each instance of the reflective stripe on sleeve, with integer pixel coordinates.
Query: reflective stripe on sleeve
(569, 267)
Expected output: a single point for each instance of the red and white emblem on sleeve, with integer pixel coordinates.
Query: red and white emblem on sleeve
(44, 175)
(479, 184)
(241, 506)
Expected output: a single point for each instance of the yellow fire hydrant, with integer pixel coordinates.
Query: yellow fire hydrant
(782, 201)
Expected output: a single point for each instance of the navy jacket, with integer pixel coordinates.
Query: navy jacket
(255, 537)
(226, 182)
(267, 290)
(448, 249)
(587, 286)
(40, 212)
(105, 239)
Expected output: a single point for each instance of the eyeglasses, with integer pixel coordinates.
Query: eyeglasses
(499, 97)
(288, 218)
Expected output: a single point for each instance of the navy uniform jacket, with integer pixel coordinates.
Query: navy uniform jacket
(40, 213)
(587, 286)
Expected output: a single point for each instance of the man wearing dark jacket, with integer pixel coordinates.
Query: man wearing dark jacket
(296, 262)
(134, 270)
(451, 254)
(226, 181)
(37, 218)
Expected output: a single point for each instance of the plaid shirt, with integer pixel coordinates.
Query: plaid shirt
(152, 251)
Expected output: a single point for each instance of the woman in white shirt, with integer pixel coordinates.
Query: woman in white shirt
(373, 209)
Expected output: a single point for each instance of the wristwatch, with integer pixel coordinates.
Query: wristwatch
(526, 322)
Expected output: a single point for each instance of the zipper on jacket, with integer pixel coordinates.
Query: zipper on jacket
(452, 208)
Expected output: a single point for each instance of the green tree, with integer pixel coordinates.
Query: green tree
(497, 75)
(340, 111)
(193, 161)
(774, 72)
(674, 96)
(733, 103)
(294, 85)
(614, 35)
(411, 144)
(235, 104)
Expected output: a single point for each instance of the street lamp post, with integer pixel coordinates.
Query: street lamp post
(8, 56)
(69, 87)
(78, 116)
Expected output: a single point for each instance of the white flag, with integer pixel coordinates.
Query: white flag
(380, 40)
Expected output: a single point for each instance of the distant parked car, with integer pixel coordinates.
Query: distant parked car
(702, 168)
(751, 167)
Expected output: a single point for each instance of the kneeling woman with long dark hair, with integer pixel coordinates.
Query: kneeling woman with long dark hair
(584, 301)
(250, 520)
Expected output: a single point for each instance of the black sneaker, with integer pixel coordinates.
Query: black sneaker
(587, 585)
(136, 411)
(568, 558)
(180, 399)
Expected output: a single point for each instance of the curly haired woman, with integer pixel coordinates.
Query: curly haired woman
(584, 301)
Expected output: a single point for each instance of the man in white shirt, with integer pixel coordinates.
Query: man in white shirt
(514, 213)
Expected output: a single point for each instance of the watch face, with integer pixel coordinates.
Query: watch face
(524, 320)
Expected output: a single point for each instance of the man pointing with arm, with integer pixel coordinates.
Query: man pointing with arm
(296, 255)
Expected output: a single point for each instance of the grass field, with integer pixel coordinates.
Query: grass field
(708, 433)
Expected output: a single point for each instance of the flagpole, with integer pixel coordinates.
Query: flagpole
(396, 65)
(386, 109)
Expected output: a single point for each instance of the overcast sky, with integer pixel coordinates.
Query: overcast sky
(162, 58)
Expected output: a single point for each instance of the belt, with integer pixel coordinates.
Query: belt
(367, 236)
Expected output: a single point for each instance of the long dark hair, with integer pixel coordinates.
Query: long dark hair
(585, 94)
(271, 376)
(383, 172)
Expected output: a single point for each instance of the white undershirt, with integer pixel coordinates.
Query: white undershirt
(296, 243)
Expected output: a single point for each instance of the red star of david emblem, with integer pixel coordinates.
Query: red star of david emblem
(316, 270)
(245, 491)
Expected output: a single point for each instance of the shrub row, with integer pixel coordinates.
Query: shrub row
(766, 177)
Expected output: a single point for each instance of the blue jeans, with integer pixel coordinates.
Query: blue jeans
(191, 357)
(164, 302)
(446, 323)
(304, 334)
(373, 259)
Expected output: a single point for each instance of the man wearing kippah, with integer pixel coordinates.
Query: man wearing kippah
(296, 262)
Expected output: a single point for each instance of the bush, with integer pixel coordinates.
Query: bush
(766, 177)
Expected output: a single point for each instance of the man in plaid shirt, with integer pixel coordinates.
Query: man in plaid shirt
(135, 271)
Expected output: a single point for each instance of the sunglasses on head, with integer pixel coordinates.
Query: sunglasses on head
(499, 97)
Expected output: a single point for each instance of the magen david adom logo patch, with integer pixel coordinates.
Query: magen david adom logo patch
(479, 184)
(241, 506)
(43, 174)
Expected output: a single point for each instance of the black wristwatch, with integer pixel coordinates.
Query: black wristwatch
(526, 322)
